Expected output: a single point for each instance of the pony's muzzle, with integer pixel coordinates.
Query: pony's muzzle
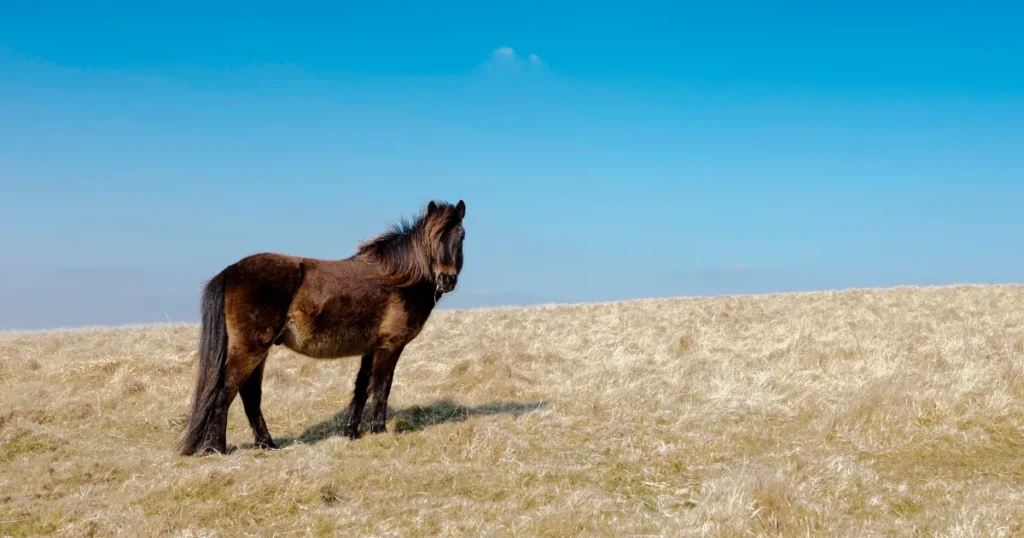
(446, 281)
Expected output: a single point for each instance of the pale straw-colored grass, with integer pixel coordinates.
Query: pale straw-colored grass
(895, 412)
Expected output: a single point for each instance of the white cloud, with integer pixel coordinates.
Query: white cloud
(504, 61)
(505, 52)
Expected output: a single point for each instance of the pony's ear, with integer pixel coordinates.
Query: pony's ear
(460, 208)
(431, 207)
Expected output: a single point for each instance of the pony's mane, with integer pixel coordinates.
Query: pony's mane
(405, 251)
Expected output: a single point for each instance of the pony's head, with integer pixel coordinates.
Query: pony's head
(428, 249)
(446, 234)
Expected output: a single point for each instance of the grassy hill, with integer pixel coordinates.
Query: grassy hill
(857, 413)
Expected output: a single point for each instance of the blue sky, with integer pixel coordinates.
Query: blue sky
(604, 151)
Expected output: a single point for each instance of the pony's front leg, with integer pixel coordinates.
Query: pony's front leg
(383, 373)
(359, 397)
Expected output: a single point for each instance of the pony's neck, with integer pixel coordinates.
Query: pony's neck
(401, 255)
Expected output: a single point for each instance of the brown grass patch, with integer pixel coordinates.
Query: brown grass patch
(893, 412)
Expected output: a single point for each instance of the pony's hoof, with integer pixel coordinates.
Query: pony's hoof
(378, 428)
(352, 434)
(211, 450)
(269, 444)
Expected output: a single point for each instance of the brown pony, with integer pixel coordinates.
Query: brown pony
(371, 304)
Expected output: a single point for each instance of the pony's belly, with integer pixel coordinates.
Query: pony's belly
(326, 345)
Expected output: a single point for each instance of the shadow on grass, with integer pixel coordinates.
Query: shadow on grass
(411, 419)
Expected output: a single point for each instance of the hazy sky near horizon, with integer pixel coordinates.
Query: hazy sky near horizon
(604, 152)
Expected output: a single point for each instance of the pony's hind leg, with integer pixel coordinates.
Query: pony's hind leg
(241, 362)
(252, 396)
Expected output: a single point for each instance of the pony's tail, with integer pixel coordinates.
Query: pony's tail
(213, 353)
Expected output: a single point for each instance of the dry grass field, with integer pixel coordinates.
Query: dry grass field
(896, 412)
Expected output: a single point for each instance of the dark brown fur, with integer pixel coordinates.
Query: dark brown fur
(371, 305)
